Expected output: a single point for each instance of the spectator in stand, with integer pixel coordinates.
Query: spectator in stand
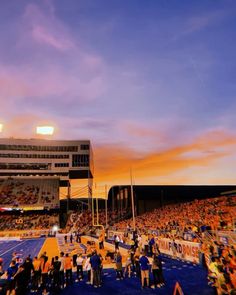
(144, 265)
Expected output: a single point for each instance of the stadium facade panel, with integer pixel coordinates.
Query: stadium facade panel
(65, 159)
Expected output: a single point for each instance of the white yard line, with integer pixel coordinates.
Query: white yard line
(1, 254)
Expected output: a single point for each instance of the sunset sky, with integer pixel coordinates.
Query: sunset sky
(151, 84)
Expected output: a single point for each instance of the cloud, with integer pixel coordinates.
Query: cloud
(113, 162)
(46, 29)
(41, 35)
(202, 21)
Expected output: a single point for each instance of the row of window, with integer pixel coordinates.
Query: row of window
(80, 161)
(35, 156)
(84, 147)
(61, 164)
(40, 148)
(20, 166)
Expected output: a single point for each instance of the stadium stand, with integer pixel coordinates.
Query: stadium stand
(29, 191)
(186, 219)
(28, 222)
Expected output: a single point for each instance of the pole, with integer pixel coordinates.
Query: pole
(106, 204)
(97, 210)
(132, 199)
(68, 196)
(92, 210)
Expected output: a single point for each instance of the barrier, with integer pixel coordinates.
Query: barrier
(24, 234)
(180, 249)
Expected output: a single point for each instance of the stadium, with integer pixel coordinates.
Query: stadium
(58, 238)
(117, 147)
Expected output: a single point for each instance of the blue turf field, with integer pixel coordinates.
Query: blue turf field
(22, 248)
(191, 277)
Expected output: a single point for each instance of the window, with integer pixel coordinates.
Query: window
(61, 164)
(84, 147)
(38, 148)
(80, 161)
(35, 156)
(24, 166)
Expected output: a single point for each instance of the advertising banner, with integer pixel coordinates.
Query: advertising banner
(180, 249)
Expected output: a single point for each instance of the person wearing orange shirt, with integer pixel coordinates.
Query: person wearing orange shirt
(232, 276)
(68, 269)
(37, 273)
(45, 267)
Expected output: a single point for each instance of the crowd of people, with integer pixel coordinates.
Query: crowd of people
(222, 268)
(38, 274)
(17, 192)
(10, 222)
(186, 220)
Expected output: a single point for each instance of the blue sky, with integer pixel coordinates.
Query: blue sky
(147, 76)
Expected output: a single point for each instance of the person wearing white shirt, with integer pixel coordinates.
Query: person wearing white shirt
(87, 267)
(62, 271)
(79, 263)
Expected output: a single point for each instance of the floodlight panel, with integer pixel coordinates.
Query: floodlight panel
(45, 130)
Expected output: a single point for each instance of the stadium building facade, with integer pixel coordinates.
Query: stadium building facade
(66, 159)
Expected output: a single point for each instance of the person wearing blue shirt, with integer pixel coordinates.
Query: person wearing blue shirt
(11, 271)
(144, 265)
(151, 244)
(95, 262)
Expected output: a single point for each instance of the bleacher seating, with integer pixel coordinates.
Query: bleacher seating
(179, 219)
(28, 222)
(30, 191)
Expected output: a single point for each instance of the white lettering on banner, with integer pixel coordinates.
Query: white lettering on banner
(181, 249)
(120, 234)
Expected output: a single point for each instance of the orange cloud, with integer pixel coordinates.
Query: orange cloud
(113, 163)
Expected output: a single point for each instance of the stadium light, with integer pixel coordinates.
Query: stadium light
(1, 127)
(45, 130)
(55, 228)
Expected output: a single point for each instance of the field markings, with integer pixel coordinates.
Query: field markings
(1, 254)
